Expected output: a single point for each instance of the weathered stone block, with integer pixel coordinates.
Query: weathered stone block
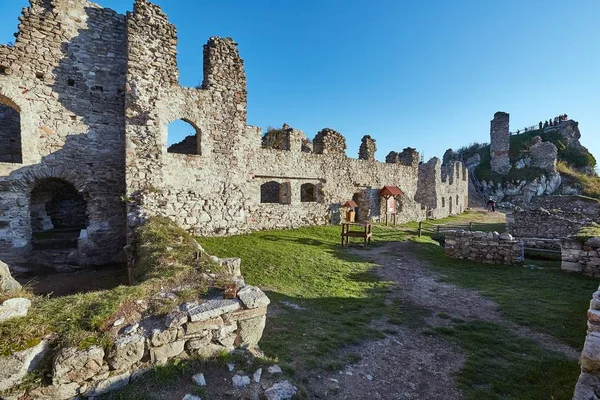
(168, 351)
(253, 297)
(13, 368)
(212, 309)
(250, 331)
(127, 351)
(73, 365)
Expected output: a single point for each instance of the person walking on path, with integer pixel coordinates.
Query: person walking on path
(491, 205)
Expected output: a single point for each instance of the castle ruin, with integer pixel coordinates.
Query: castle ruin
(86, 95)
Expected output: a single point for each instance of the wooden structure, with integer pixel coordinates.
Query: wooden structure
(350, 205)
(365, 232)
(393, 193)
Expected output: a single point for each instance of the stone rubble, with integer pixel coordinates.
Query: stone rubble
(487, 247)
(14, 308)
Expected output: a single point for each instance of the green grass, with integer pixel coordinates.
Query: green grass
(590, 185)
(166, 257)
(337, 292)
(545, 299)
(501, 365)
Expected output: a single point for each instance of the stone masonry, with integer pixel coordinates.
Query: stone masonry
(487, 247)
(588, 385)
(581, 256)
(94, 92)
(500, 143)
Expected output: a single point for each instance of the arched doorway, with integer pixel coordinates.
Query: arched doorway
(57, 206)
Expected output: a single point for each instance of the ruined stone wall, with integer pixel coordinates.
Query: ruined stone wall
(65, 77)
(198, 329)
(443, 190)
(542, 223)
(500, 143)
(487, 247)
(588, 385)
(94, 111)
(367, 148)
(581, 256)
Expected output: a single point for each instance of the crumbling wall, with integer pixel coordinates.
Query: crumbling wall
(544, 155)
(328, 141)
(65, 75)
(581, 256)
(548, 224)
(487, 247)
(500, 143)
(443, 190)
(588, 385)
(367, 148)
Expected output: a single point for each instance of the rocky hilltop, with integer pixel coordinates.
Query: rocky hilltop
(547, 159)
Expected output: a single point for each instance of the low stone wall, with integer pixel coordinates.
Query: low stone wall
(200, 328)
(541, 243)
(488, 247)
(588, 384)
(548, 224)
(581, 256)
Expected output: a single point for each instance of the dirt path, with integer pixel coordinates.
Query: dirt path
(412, 364)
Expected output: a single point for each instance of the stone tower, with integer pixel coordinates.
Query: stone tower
(500, 143)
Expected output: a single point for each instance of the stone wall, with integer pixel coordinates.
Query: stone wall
(487, 247)
(554, 217)
(65, 75)
(500, 143)
(581, 256)
(197, 329)
(544, 155)
(588, 385)
(367, 148)
(95, 114)
(441, 190)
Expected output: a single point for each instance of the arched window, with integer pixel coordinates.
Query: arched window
(269, 192)
(10, 132)
(456, 199)
(443, 202)
(183, 137)
(450, 204)
(57, 205)
(308, 193)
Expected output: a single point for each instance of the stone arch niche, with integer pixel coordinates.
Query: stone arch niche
(10, 132)
(184, 137)
(56, 205)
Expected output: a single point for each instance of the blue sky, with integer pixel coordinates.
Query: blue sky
(420, 73)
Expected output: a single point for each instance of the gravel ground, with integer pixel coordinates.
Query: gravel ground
(412, 364)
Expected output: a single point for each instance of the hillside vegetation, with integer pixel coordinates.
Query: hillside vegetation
(572, 161)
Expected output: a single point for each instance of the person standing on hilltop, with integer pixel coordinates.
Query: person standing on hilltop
(491, 205)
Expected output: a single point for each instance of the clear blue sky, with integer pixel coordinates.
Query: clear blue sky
(421, 73)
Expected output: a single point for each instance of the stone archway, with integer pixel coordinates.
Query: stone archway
(56, 205)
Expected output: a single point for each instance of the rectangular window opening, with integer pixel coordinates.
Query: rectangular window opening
(39, 75)
(98, 88)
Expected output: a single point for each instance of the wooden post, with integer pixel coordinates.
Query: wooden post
(386, 219)
(470, 226)
(420, 228)
(438, 229)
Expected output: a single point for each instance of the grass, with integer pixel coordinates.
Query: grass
(337, 293)
(167, 257)
(590, 185)
(501, 365)
(545, 299)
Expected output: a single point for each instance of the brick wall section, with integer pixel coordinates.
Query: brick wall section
(487, 247)
(581, 256)
(588, 385)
